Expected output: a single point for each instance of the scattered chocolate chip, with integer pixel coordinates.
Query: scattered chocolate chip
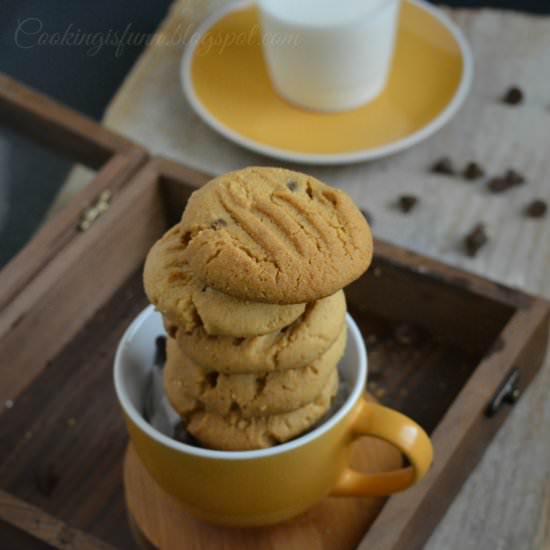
(536, 209)
(515, 178)
(46, 480)
(473, 171)
(443, 166)
(292, 185)
(368, 216)
(513, 96)
(505, 182)
(407, 334)
(216, 224)
(499, 184)
(475, 240)
(406, 203)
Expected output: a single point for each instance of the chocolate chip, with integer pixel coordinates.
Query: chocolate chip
(499, 184)
(292, 185)
(507, 181)
(368, 216)
(212, 378)
(473, 171)
(406, 203)
(513, 96)
(46, 480)
(216, 224)
(443, 166)
(536, 209)
(475, 240)
(515, 178)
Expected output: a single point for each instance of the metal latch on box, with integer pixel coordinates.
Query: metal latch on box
(507, 392)
(93, 212)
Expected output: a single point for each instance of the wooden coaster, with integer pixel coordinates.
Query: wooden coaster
(159, 521)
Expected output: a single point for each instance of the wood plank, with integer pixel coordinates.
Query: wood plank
(460, 439)
(63, 130)
(70, 289)
(63, 441)
(44, 527)
(52, 237)
(15, 539)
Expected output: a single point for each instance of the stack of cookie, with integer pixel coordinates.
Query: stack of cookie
(249, 286)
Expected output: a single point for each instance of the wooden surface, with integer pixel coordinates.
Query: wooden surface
(333, 523)
(43, 527)
(505, 503)
(448, 381)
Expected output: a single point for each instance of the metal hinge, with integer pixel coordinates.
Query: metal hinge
(508, 392)
(93, 212)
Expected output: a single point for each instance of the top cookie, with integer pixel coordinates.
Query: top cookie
(273, 235)
(188, 303)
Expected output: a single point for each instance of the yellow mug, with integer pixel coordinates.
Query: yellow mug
(261, 487)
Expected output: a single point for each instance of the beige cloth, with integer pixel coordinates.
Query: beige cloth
(505, 503)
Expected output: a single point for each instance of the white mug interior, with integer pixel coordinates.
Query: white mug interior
(134, 361)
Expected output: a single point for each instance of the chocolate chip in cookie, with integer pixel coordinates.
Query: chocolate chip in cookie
(216, 224)
(292, 185)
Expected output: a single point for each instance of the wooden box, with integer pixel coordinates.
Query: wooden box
(448, 348)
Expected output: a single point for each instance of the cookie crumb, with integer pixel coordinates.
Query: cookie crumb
(473, 171)
(407, 334)
(536, 209)
(513, 96)
(406, 203)
(380, 393)
(371, 340)
(475, 240)
(443, 166)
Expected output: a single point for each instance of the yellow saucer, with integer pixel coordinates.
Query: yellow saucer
(226, 81)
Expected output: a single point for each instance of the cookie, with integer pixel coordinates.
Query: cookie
(189, 387)
(234, 433)
(293, 347)
(187, 302)
(273, 235)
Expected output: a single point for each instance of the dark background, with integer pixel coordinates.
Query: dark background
(29, 176)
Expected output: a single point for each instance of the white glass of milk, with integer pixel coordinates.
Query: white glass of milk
(328, 55)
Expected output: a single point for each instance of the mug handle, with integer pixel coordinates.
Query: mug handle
(402, 432)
